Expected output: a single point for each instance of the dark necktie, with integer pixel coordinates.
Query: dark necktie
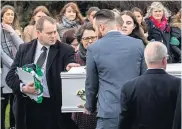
(42, 57)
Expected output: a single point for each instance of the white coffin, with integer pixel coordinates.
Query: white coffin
(72, 82)
(174, 69)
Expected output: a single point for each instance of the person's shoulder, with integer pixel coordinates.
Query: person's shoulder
(173, 78)
(29, 27)
(94, 46)
(28, 44)
(63, 46)
(25, 46)
(134, 42)
(136, 79)
(132, 84)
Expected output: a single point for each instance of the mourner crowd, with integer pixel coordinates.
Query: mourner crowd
(125, 54)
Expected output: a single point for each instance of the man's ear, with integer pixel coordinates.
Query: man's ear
(38, 32)
(102, 27)
(164, 61)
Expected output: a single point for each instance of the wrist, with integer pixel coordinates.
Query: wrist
(22, 87)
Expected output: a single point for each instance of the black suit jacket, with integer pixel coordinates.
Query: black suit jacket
(149, 101)
(59, 56)
(177, 115)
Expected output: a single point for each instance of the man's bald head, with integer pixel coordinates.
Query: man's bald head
(155, 52)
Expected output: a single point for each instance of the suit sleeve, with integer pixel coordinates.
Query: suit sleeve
(125, 109)
(69, 57)
(12, 79)
(16, 40)
(143, 65)
(92, 82)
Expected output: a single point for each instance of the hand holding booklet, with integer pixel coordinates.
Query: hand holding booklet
(32, 73)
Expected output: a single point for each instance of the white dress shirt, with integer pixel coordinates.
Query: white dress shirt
(44, 81)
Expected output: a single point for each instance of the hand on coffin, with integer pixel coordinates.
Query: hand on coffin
(70, 65)
(85, 110)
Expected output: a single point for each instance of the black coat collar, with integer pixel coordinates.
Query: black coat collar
(155, 71)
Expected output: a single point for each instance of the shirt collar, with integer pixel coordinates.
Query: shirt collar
(39, 45)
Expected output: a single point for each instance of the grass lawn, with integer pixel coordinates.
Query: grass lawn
(7, 117)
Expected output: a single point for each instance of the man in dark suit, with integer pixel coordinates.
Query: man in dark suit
(177, 115)
(149, 101)
(111, 61)
(53, 57)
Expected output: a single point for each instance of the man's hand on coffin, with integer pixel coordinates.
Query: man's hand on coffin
(85, 110)
(70, 65)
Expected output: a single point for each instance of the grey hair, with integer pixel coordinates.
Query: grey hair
(157, 5)
(155, 52)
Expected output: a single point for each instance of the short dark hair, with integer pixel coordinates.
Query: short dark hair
(40, 22)
(105, 14)
(69, 36)
(86, 26)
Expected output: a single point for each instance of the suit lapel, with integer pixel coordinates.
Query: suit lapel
(52, 54)
(30, 53)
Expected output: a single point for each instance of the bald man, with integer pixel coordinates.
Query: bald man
(149, 101)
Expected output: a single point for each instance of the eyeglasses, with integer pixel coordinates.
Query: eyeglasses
(87, 39)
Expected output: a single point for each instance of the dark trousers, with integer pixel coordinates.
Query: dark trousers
(4, 102)
(40, 115)
(43, 116)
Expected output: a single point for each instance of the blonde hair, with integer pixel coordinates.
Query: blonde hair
(157, 5)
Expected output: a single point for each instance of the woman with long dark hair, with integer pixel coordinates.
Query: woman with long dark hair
(30, 30)
(69, 17)
(85, 36)
(10, 41)
(131, 26)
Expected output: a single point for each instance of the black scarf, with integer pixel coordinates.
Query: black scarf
(82, 52)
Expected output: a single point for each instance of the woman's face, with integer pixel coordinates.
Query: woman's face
(157, 13)
(128, 25)
(39, 15)
(70, 14)
(138, 16)
(75, 44)
(90, 17)
(8, 17)
(88, 38)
